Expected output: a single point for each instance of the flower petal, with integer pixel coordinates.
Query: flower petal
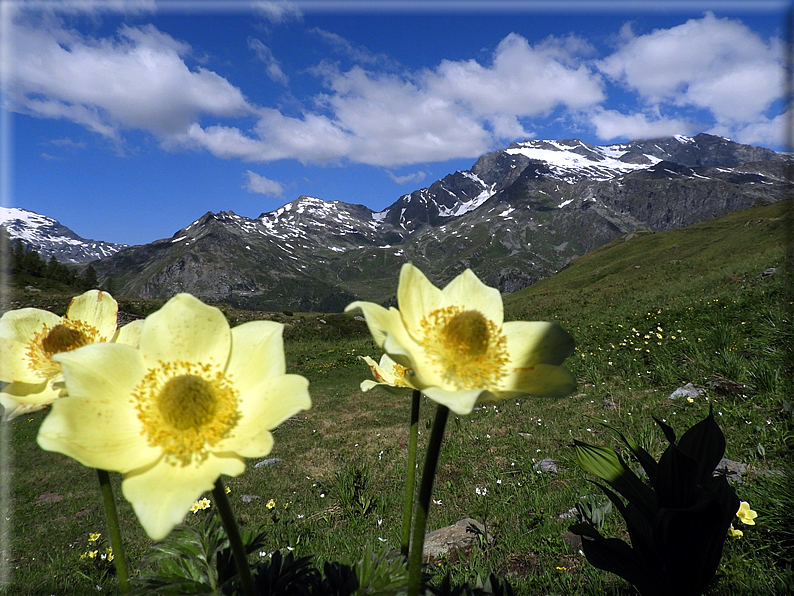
(468, 291)
(379, 320)
(188, 330)
(24, 398)
(15, 364)
(257, 353)
(130, 334)
(541, 380)
(262, 408)
(532, 342)
(416, 298)
(96, 308)
(162, 494)
(96, 423)
(22, 324)
(461, 402)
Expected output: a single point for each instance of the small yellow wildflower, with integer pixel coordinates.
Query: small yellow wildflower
(93, 536)
(200, 504)
(270, 504)
(227, 490)
(92, 554)
(735, 533)
(745, 514)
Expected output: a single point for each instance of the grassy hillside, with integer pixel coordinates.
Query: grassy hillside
(649, 313)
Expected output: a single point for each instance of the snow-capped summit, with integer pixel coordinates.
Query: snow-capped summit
(50, 238)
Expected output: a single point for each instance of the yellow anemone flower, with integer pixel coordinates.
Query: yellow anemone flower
(734, 533)
(388, 375)
(30, 337)
(457, 348)
(173, 415)
(745, 514)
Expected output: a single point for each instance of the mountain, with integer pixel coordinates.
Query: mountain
(518, 215)
(51, 239)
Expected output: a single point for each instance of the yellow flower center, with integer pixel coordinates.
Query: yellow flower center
(469, 349)
(65, 336)
(186, 409)
(399, 371)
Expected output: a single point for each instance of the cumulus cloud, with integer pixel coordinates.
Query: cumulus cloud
(611, 124)
(521, 81)
(137, 80)
(258, 184)
(374, 113)
(711, 63)
(458, 109)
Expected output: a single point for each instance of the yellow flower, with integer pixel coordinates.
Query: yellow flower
(735, 533)
(388, 375)
(173, 415)
(745, 514)
(93, 536)
(457, 348)
(200, 505)
(30, 337)
(227, 490)
(270, 504)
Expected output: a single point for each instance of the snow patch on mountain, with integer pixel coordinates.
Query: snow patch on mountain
(50, 238)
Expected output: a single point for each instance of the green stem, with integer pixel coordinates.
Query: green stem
(425, 492)
(236, 541)
(411, 474)
(119, 559)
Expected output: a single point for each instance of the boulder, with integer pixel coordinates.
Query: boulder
(454, 542)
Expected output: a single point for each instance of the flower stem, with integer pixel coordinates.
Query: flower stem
(425, 492)
(236, 541)
(411, 474)
(119, 559)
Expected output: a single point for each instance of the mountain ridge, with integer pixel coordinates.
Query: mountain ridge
(518, 215)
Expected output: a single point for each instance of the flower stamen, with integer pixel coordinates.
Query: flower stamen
(185, 409)
(65, 336)
(469, 349)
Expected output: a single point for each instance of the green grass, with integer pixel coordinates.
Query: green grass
(711, 317)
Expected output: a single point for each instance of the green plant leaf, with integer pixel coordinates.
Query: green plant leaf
(668, 431)
(617, 557)
(608, 465)
(704, 443)
(646, 460)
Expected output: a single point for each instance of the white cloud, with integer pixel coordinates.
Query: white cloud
(414, 177)
(138, 80)
(266, 55)
(611, 124)
(358, 54)
(279, 12)
(766, 132)
(711, 63)
(144, 79)
(258, 184)
(521, 81)
(459, 109)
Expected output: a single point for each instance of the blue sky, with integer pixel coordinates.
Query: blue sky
(127, 120)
